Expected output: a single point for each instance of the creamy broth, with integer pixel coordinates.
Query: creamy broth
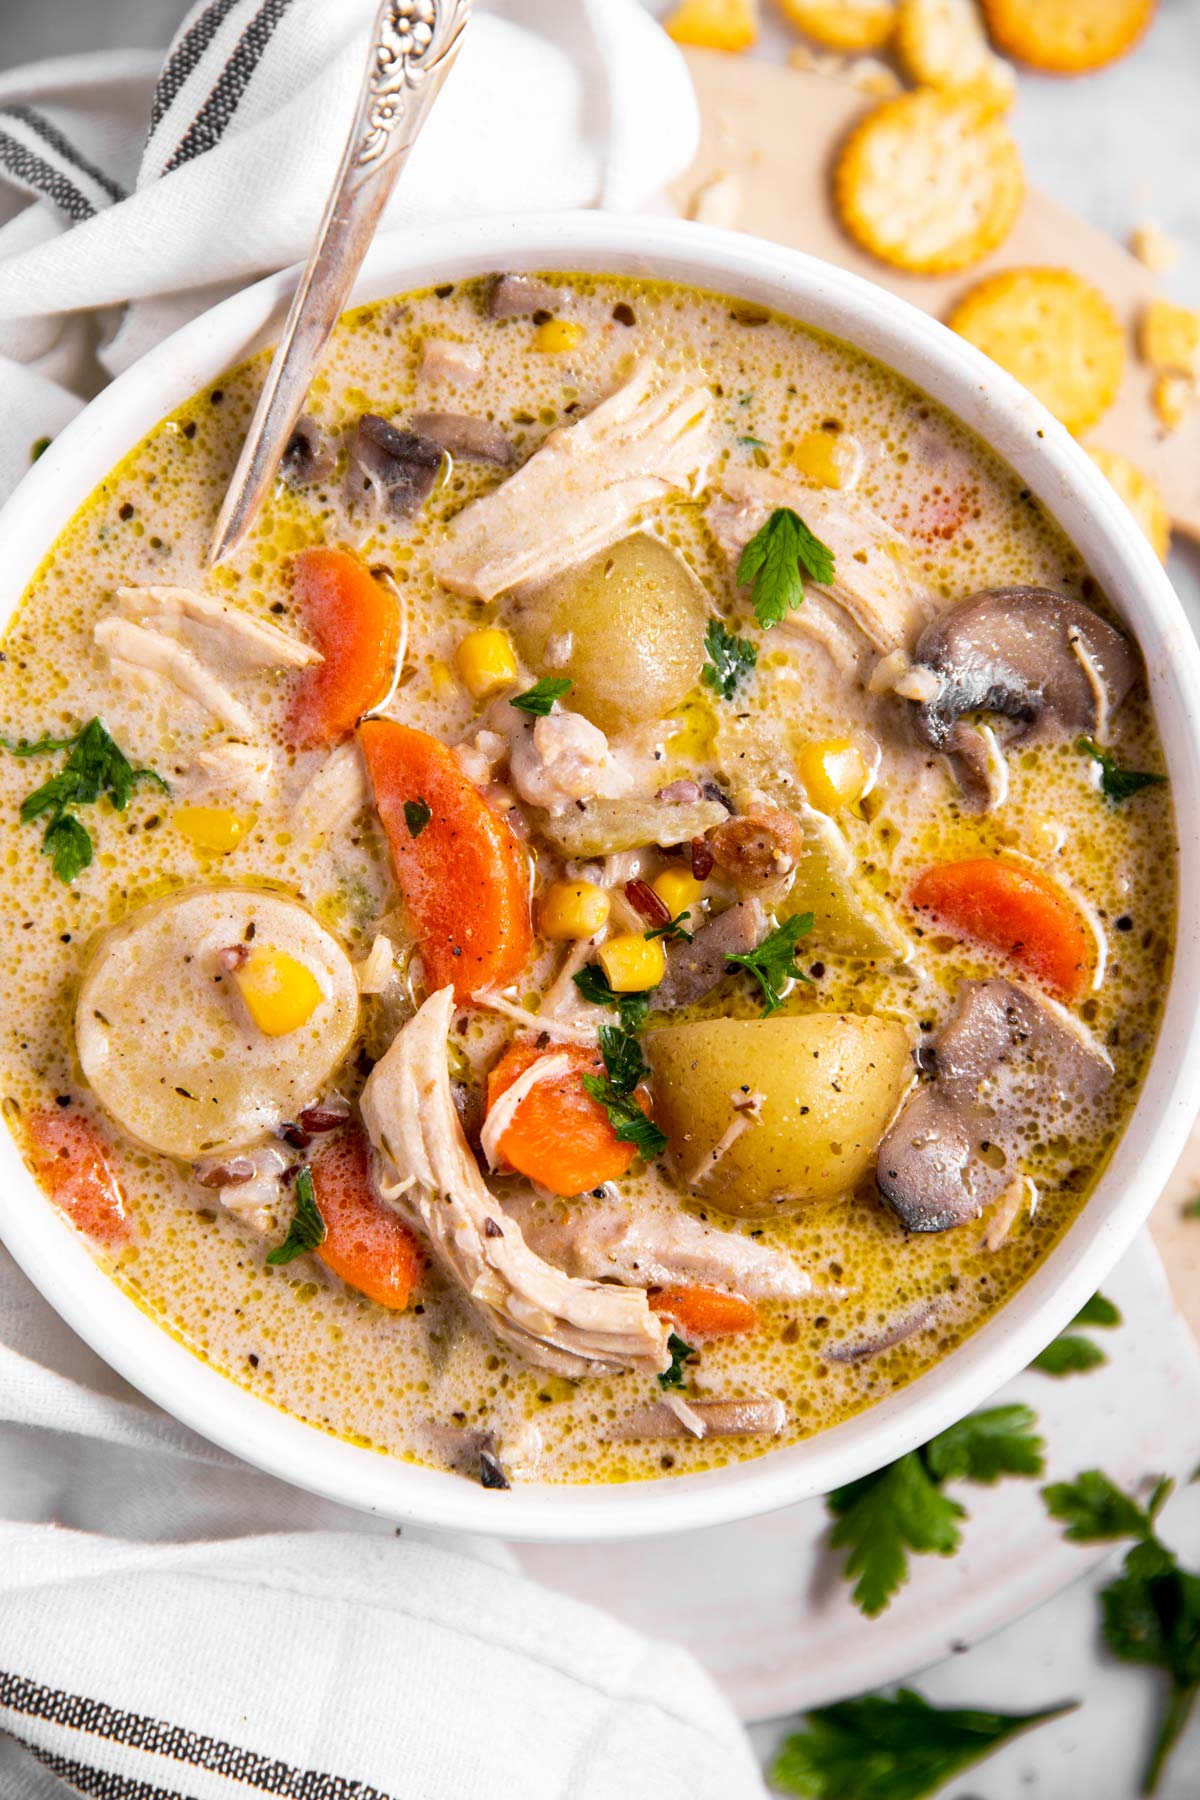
(433, 1381)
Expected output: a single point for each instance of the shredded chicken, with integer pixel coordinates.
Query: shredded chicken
(375, 971)
(442, 360)
(573, 1327)
(875, 586)
(132, 646)
(503, 1112)
(224, 636)
(582, 488)
(612, 1240)
(243, 770)
(334, 796)
(249, 1186)
(565, 758)
(747, 1111)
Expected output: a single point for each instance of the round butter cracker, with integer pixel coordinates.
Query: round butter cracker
(1141, 496)
(929, 182)
(1067, 37)
(941, 44)
(843, 24)
(1055, 332)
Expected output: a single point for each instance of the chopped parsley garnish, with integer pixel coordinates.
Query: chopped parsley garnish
(774, 962)
(625, 1067)
(1116, 783)
(632, 1009)
(94, 767)
(1072, 1354)
(902, 1507)
(892, 1748)
(671, 929)
(1151, 1613)
(730, 659)
(1191, 1208)
(416, 816)
(39, 448)
(540, 698)
(307, 1229)
(776, 560)
(680, 1353)
(751, 443)
(745, 399)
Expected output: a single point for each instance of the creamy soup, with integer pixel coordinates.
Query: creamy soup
(619, 927)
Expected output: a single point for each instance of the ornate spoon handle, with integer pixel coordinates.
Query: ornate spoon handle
(414, 44)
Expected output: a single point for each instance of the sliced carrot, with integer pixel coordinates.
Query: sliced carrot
(365, 1243)
(462, 873)
(701, 1312)
(356, 624)
(70, 1159)
(1016, 911)
(559, 1136)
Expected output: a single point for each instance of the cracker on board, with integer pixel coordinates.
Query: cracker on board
(941, 44)
(714, 24)
(1067, 37)
(866, 73)
(1055, 332)
(1169, 337)
(1141, 496)
(843, 24)
(1173, 396)
(929, 182)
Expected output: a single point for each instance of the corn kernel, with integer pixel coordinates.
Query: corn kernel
(573, 909)
(834, 772)
(441, 679)
(556, 335)
(714, 24)
(486, 662)
(214, 828)
(678, 890)
(280, 994)
(831, 458)
(632, 962)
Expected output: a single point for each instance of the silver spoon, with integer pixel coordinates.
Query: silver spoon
(413, 46)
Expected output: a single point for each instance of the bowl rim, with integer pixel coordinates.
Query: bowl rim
(1062, 477)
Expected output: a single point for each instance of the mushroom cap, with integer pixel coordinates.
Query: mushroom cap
(164, 1038)
(1033, 655)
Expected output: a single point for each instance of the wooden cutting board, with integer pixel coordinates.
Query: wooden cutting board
(777, 130)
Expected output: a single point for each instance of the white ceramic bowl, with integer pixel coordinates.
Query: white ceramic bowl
(1063, 478)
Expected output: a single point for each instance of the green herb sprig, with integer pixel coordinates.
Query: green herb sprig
(1071, 1354)
(416, 816)
(615, 1091)
(307, 1229)
(672, 929)
(1116, 784)
(95, 766)
(539, 699)
(730, 659)
(902, 1508)
(774, 962)
(775, 562)
(681, 1353)
(897, 1748)
(1150, 1613)
(594, 985)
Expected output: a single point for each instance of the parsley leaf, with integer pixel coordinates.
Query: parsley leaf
(625, 1065)
(95, 766)
(776, 560)
(1097, 1311)
(1069, 1355)
(883, 1516)
(632, 1009)
(680, 1353)
(774, 962)
(416, 816)
(897, 1748)
(731, 659)
(1001, 1440)
(674, 928)
(749, 442)
(1191, 1208)
(622, 1058)
(540, 698)
(307, 1229)
(1116, 783)
(39, 447)
(1096, 1511)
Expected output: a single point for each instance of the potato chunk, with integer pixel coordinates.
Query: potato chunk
(830, 1083)
(627, 628)
(165, 1038)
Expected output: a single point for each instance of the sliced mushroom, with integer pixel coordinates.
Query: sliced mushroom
(1039, 658)
(311, 454)
(512, 295)
(393, 470)
(859, 1349)
(704, 1418)
(478, 440)
(694, 969)
(1006, 1051)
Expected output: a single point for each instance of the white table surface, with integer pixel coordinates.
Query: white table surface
(1120, 146)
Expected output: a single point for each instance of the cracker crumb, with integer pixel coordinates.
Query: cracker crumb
(1154, 247)
(717, 201)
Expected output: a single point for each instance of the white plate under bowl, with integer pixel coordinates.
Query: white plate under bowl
(763, 1604)
(1071, 488)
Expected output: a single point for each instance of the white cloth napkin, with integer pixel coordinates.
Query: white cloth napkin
(173, 1623)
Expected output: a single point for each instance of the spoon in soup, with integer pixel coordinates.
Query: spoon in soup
(413, 46)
